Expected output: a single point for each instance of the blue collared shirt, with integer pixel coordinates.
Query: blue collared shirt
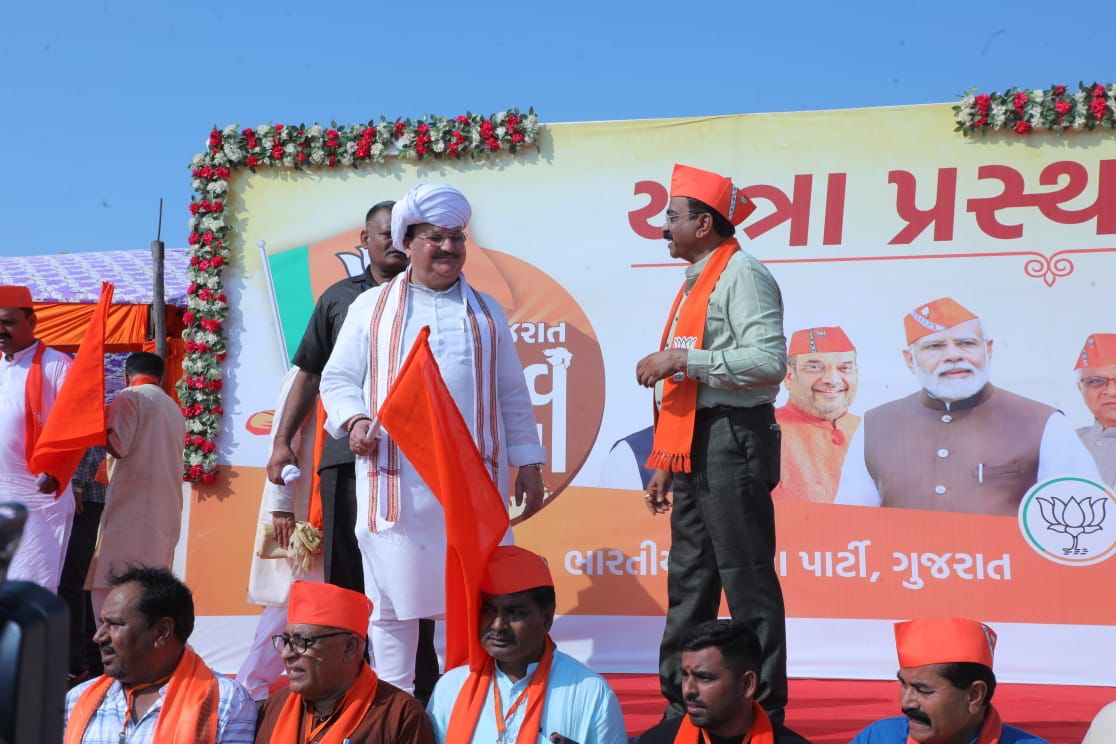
(895, 731)
(579, 705)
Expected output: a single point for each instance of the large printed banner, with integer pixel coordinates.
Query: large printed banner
(967, 269)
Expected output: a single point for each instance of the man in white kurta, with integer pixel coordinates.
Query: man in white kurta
(400, 526)
(143, 504)
(49, 513)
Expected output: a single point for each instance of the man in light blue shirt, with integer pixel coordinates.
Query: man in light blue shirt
(528, 692)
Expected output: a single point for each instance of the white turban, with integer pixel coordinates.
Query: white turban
(436, 204)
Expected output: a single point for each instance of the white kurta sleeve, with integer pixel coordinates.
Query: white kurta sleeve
(1061, 452)
(857, 487)
(520, 427)
(343, 379)
(55, 367)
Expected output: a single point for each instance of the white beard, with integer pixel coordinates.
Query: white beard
(951, 390)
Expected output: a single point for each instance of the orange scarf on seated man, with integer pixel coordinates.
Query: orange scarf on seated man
(761, 732)
(350, 711)
(469, 706)
(189, 712)
(674, 423)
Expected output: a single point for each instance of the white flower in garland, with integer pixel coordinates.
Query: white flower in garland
(263, 129)
(1078, 112)
(998, 115)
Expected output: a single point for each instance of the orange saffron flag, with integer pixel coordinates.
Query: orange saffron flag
(77, 420)
(421, 416)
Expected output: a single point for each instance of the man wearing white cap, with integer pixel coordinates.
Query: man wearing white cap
(959, 444)
(31, 376)
(400, 526)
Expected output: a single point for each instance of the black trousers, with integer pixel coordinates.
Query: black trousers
(84, 655)
(343, 566)
(722, 528)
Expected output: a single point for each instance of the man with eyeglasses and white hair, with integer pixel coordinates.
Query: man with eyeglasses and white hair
(817, 426)
(960, 444)
(1096, 378)
(333, 695)
(400, 524)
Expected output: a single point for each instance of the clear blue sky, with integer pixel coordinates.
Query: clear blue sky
(104, 103)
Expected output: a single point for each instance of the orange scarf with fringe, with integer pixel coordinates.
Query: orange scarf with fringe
(189, 712)
(469, 706)
(350, 711)
(674, 422)
(760, 733)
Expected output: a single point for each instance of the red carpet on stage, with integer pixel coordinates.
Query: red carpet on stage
(832, 711)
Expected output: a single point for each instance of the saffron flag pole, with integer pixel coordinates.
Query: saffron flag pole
(422, 418)
(77, 420)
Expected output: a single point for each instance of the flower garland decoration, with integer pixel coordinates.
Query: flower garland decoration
(1055, 109)
(468, 136)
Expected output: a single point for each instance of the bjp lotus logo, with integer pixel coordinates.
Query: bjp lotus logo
(1073, 517)
(1063, 520)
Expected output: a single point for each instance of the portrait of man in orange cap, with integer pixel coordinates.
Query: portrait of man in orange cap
(817, 427)
(716, 443)
(332, 694)
(31, 374)
(946, 684)
(1096, 379)
(523, 690)
(960, 443)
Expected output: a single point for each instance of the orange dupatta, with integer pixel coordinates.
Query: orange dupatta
(144, 380)
(189, 712)
(990, 730)
(33, 404)
(674, 425)
(352, 709)
(760, 733)
(469, 706)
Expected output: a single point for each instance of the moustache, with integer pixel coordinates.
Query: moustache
(667, 235)
(917, 715)
(505, 637)
(954, 368)
(444, 254)
(695, 701)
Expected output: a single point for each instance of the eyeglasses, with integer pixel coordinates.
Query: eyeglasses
(672, 218)
(816, 368)
(1097, 382)
(301, 644)
(437, 239)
